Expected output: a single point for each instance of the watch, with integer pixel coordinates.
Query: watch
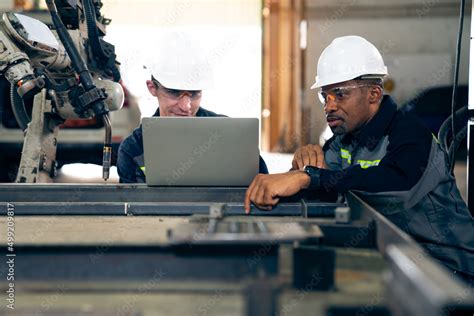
(315, 174)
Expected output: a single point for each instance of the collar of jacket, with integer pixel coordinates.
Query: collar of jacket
(200, 112)
(370, 135)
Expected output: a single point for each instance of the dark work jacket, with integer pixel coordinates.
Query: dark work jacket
(397, 166)
(130, 161)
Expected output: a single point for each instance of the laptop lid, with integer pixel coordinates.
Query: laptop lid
(200, 151)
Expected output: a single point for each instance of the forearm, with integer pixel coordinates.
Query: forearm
(373, 179)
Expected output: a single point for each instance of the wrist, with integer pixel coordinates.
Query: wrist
(304, 179)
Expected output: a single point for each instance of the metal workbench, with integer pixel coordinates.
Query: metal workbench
(106, 249)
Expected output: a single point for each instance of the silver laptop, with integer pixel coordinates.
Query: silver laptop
(200, 151)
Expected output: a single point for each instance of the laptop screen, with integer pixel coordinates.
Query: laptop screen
(200, 151)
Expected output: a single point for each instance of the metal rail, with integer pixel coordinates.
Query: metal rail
(140, 199)
(159, 208)
(415, 284)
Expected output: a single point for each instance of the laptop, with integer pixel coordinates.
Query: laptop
(200, 151)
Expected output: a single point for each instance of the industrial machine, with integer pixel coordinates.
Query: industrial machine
(70, 73)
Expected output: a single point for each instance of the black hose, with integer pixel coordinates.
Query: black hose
(77, 62)
(92, 31)
(104, 53)
(455, 146)
(443, 133)
(18, 108)
(451, 146)
(460, 121)
(456, 72)
(79, 65)
(460, 117)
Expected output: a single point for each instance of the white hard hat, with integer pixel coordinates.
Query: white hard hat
(347, 58)
(180, 63)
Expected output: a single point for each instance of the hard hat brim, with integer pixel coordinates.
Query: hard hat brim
(343, 78)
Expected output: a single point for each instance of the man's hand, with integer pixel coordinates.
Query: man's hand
(267, 189)
(309, 155)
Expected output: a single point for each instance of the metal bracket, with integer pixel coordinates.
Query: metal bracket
(343, 215)
(217, 210)
(39, 147)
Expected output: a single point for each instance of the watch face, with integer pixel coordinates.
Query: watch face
(310, 169)
(313, 172)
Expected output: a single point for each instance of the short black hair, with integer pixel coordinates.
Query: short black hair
(371, 80)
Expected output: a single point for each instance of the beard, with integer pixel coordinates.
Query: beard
(338, 130)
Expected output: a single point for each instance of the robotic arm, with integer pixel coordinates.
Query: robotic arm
(57, 77)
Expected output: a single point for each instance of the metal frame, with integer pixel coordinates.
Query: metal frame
(138, 263)
(72, 193)
(38, 158)
(160, 208)
(414, 279)
(140, 199)
(415, 283)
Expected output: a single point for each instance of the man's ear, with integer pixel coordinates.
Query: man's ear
(151, 88)
(375, 94)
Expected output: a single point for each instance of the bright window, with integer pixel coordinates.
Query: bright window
(230, 30)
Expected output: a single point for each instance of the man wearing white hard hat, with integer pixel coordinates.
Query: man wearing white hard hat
(387, 156)
(179, 74)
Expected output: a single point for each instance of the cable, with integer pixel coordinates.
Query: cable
(455, 145)
(460, 117)
(92, 31)
(456, 78)
(77, 62)
(102, 52)
(460, 120)
(18, 108)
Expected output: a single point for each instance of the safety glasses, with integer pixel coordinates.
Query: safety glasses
(177, 94)
(338, 94)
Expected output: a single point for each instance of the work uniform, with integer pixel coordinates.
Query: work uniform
(397, 166)
(130, 161)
